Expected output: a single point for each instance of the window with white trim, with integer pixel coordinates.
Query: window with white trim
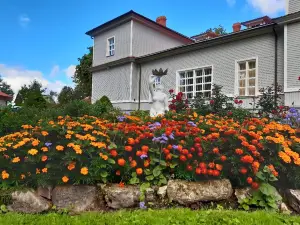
(156, 82)
(111, 46)
(196, 82)
(247, 75)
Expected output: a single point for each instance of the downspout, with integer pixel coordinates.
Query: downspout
(276, 64)
(140, 88)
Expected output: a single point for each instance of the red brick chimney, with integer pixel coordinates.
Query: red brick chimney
(162, 20)
(237, 27)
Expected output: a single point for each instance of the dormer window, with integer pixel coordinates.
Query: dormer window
(110, 46)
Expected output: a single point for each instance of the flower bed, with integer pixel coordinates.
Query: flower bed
(88, 150)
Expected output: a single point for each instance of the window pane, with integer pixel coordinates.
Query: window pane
(206, 94)
(182, 75)
(252, 91)
(251, 82)
(190, 81)
(199, 73)
(242, 83)
(207, 71)
(189, 88)
(207, 79)
(242, 66)
(182, 89)
(199, 88)
(252, 73)
(252, 65)
(242, 75)
(189, 95)
(182, 82)
(111, 41)
(190, 74)
(207, 87)
(241, 91)
(199, 80)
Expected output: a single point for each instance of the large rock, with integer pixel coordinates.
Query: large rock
(117, 197)
(45, 192)
(293, 197)
(77, 198)
(185, 192)
(242, 193)
(162, 192)
(28, 202)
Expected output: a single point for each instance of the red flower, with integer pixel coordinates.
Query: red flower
(298, 78)
(171, 91)
(212, 102)
(236, 101)
(255, 185)
(249, 180)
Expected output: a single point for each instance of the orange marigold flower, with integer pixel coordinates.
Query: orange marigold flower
(121, 162)
(243, 170)
(65, 179)
(239, 151)
(223, 158)
(146, 163)
(211, 165)
(247, 159)
(5, 175)
(252, 148)
(35, 143)
(104, 157)
(68, 136)
(216, 150)
(133, 164)
(145, 148)
(44, 158)
(37, 171)
(113, 153)
(16, 160)
(118, 172)
(84, 171)
(284, 157)
(219, 167)
(128, 148)
(59, 148)
(44, 133)
(45, 170)
(71, 166)
(131, 141)
(121, 184)
(44, 149)
(139, 171)
(32, 151)
(22, 176)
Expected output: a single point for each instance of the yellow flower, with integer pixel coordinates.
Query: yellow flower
(16, 160)
(22, 176)
(44, 149)
(84, 171)
(284, 157)
(68, 136)
(45, 133)
(37, 171)
(5, 175)
(65, 179)
(33, 151)
(59, 148)
(44, 170)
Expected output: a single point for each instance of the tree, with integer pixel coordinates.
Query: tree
(83, 77)
(66, 95)
(4, 87)
(32, 91)
(220, 30)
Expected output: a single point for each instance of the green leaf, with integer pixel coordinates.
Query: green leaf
(173, 165)
(261, 176)
(245, 207)
(155, 160)
(103, 174)
(148, 172)
(144, 186)
(163, 163)
(133, 174)
(111, 161)
(267, 189)
(112, 146)
(150, 177)
(134, 180)
(156, 171)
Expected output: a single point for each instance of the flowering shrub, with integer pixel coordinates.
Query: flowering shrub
(178, 103)
(90, 150)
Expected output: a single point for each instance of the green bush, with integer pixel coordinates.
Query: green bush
(104, 101)
(77, 108)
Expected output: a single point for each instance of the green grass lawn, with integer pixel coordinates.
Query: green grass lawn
(160, 217)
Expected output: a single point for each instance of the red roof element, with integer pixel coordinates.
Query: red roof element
(4, 96)
(257, 22)
(205, 36)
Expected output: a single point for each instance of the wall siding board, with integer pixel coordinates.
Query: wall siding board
(222, 58)
(114, 83)
(293, 55)
(294, 6)
(122, 44)
(147, 40)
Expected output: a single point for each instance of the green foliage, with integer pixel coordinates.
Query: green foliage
(77, 108)
(104, 100)
(266, 196)
(178, 216)
(35, 99)
(66, 95)
(220, 30)
(140, 113)
(83, 77)
(34, 92)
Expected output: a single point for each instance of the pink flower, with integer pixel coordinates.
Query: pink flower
(212, 102)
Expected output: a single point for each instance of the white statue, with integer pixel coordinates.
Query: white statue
(159, 98)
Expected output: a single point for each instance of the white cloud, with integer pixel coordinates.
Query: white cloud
(269, 7)
(54, 71)
(70, 71)
(17, 77)
(24, 20)
(231, 2)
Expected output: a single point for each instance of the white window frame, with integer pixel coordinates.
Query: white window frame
(236, 89)
(194, 69)
(108, 51)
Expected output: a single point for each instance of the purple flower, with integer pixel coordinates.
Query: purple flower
(171, 136)
(156, 139)
(293, 110)
(175, 147)
(163, 142)
(143, 156)
(121, 118)
(191, 123)
(48, 144)
(154, 125)
(142, 205)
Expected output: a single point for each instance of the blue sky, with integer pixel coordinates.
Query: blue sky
(42, 39)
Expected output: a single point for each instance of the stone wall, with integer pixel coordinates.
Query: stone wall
(105, 197)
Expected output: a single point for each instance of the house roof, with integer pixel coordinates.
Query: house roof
(131, 15)
(4, 96)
